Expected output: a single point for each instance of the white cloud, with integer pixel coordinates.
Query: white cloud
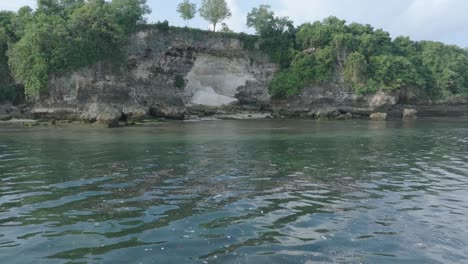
(238, 18)
(431, 19)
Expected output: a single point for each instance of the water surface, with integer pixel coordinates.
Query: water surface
(236, 192)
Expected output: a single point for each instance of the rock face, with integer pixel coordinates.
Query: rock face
(378, 116)
(410, 114)
(163, 75)
(382, 100)
(174, 74)
(346, 116)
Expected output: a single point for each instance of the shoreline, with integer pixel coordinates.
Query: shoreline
(44, 123)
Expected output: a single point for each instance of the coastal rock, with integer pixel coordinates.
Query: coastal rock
(410, 114)
(327, 113)
(135, 112)
(103, 114)
(164, 73)
(346, 116)
(173, 75)
(378, 116)
(382, 100)
(5, 117)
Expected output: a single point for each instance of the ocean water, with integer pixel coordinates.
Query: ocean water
(268, 191)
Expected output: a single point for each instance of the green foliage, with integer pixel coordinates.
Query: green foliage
(368, 58)
(187, 10)
(448, 66)
(11, 93)
(262, 19)
(392, 72)
(277, 34)
(248, 41)
(214, 11)
(163, 26)
(63, 35)
(287, 82)
(303, 70)
(357, 71)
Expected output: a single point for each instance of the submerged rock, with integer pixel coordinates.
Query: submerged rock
(410, 114)
(378, 116)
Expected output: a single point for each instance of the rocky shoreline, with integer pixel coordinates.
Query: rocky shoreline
(22, 115)
(175, 75)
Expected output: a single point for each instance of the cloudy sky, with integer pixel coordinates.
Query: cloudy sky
(441, 20)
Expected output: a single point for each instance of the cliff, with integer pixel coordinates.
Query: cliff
(178, 73)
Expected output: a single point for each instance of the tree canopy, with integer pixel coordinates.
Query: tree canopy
(214, 11)
(368, 58)
(62, 35)
(187, 10)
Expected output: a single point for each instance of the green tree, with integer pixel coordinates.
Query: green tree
(277, 33)
(19, 22)
(214, 11)
(262, 19)
(393, 72)
(63, 35)
(187, 11)
(356, 71)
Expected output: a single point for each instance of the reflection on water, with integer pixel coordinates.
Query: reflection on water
(236, 192)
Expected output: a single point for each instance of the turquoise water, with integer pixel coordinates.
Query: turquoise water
(236, 192)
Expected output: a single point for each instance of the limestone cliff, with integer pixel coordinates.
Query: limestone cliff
(173, 74)
(163, 75)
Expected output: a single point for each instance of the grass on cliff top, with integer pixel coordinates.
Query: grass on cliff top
(247, 40)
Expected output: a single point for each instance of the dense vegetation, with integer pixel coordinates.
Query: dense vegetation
(62, 35)
(369, 59)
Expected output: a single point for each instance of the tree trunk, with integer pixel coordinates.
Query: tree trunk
(214, 26)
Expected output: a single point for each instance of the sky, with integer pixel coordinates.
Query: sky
(440, 20)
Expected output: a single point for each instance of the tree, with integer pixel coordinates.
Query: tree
(215, 11)
(277, 33)
(262, 19)
(64, 35)
(21, 20)
(187, 11)
(356, 71)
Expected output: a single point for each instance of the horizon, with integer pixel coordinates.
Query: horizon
(432, 20)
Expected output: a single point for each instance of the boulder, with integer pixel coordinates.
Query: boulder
(410, 114)
(171, 107)
(327, 113)
(135, 112)
(378, 116)
(346, 116)
(102, 113)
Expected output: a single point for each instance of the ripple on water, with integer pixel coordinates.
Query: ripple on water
(224, 193)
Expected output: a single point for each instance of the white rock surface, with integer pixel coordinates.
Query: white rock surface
(207, 96)
(214, 81)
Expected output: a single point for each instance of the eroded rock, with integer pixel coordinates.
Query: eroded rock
(346, 116)
(378, 116)
(327, 113)
(382, 100)
(410, 114)
(103, 114)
